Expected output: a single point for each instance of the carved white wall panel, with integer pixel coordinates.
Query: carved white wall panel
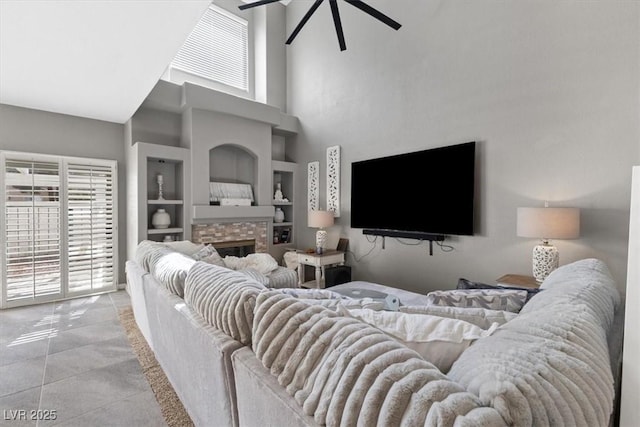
(313, 186)
(333, 180)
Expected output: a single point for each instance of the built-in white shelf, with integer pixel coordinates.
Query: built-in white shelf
(165, 202)
(283, 224)
(279, 165)
(275, 203)
(232, 212)
(164, 230)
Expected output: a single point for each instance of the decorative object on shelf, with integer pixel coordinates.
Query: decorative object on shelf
(547, 223)
(161, 219)
(279, 215)
(313, 188)
(336, 17)
(160, 180)
(320, 220)
(278, 197)
(168, 238)
(333, 180)
(284, 235)
(228, 190)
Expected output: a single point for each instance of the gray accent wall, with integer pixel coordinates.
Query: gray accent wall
(34, 131)
(549, 90)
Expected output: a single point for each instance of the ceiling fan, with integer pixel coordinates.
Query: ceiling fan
(336, 16)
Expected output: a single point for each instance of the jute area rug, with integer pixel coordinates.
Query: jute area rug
(172, 410)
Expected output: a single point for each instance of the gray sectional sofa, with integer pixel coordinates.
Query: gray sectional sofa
(239, 354)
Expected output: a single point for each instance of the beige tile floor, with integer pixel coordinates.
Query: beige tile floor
(72, 359)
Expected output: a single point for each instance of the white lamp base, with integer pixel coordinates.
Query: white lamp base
(321, 241)
(545, 259)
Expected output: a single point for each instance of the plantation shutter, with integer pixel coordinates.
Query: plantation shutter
(91, 226)
(217, 49)
(32, 228)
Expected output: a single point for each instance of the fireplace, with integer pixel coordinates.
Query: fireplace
(225, 234)
(239, 248)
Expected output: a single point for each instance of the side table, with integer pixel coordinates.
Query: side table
(319, 261)
(517, 281)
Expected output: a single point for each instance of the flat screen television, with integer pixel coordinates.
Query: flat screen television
(429, 191)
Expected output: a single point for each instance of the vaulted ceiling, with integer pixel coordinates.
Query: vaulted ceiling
(94, 59)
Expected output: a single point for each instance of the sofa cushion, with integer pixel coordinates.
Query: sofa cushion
(550, 365)
(439, 340)
(481, 317)
(345, 372)
(144, 251)
(492, 299)
(185, 247)
(283, 277)
(224, 298)
(170, 269)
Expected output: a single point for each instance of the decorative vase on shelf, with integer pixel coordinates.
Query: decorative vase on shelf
(278, 197)
(161, 219)
(279, 215)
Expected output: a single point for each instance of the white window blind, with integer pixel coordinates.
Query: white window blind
(217, 49)
(58, 227)
(91, 231)
(32, 228)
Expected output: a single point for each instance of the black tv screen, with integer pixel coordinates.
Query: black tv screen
(429, 191)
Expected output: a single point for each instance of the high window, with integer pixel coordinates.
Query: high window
(217, 54)
(58, 224)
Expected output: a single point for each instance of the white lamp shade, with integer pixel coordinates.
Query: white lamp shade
(549, 223)
(320, 219)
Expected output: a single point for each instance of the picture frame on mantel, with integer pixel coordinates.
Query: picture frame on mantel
(333, 180)
(313, 186)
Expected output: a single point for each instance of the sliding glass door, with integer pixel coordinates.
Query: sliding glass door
(91, 227)
(58, 225)
(32, 230)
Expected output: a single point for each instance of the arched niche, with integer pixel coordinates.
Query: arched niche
(232, 163)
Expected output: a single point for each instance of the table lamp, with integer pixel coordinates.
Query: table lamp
(547, 223)
(320, 220)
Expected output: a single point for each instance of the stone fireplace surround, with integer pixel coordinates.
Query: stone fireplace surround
(213, 233)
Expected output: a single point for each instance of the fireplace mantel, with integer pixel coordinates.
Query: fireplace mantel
(206, 212)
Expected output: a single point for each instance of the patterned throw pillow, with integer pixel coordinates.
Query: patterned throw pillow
(492, 299)
(209, 255)
(468, 284)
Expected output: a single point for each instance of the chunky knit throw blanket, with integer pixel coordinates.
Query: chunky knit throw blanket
(550, 365)
(345, 372)
(224, 298)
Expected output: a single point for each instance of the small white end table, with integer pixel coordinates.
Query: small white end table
(319, 261)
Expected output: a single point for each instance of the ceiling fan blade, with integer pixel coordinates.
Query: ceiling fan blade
(375, 13)
(304, 20)
(255, 3)
(338, 23)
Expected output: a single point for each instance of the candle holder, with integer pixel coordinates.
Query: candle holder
(160, 180)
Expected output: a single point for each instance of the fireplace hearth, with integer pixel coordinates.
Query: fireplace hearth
(238, 248)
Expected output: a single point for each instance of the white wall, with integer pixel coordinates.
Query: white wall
(549, 89)
(630, 410)
(35, 131)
